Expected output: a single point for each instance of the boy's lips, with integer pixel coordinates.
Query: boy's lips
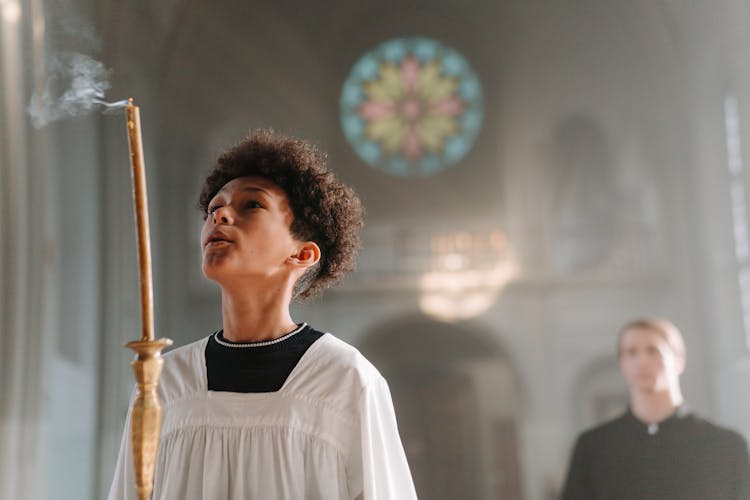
(217, 236)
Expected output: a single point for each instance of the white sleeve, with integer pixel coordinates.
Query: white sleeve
(384, 470)
(123, 483)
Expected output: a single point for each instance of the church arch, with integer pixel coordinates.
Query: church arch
(457, 401)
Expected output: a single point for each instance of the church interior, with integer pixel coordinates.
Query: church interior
(558, 169)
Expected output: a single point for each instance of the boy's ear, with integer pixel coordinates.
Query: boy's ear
(308, 254)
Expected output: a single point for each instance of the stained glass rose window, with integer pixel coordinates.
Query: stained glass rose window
(411, 107)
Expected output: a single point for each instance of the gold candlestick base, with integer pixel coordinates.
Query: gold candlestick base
(145, 418)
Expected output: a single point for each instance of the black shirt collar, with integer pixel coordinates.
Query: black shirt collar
(219, 337)
(678, 416)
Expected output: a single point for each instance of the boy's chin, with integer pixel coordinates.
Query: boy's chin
(215, 272)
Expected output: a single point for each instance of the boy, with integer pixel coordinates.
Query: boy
(267, 408)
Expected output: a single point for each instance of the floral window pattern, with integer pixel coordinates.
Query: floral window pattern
(411, 107)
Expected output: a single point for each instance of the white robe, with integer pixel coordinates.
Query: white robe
(329, 433)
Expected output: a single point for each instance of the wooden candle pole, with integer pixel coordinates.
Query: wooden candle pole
(145, 414)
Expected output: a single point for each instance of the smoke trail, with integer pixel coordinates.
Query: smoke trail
(76, 85)
(70, 28)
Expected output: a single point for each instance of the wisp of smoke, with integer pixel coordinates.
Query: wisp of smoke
(76, 85)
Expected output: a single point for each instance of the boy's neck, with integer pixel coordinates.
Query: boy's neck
(255, 317)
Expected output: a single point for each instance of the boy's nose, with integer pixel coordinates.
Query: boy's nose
(222, 215)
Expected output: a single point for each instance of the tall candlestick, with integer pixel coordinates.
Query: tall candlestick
(140, 202)
(145, 414)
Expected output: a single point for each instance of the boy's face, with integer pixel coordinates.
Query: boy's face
(647, 361)
(247, 231)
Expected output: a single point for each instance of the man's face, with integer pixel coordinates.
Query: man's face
(647, 361)
(247, 231)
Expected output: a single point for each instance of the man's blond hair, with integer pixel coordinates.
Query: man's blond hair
(662, 327)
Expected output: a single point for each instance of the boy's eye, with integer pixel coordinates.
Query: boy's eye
(212, 209)
(253, 204)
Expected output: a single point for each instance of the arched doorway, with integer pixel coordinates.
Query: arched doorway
(456, 399)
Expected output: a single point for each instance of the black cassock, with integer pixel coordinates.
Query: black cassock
(683, 457)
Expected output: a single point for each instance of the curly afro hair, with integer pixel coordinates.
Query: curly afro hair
(325, 210)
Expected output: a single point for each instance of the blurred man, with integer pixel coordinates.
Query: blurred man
(657, 449)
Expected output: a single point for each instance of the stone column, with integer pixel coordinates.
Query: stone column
(28, 255)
